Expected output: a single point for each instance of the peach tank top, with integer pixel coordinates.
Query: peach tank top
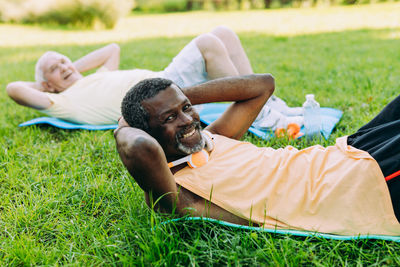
(338, 189)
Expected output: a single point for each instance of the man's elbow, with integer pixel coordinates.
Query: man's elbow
(130, 146)
(140, 143)
(268, 84)
(12, 90)
(270, 81)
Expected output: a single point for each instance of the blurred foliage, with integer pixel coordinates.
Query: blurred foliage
(161, 5)
(186, 5)
(106, 13)
(83, 13)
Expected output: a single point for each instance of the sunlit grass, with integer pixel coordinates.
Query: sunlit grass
(286, 22)
(66, 199)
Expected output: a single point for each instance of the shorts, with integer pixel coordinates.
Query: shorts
(381, 139)
(188, 68)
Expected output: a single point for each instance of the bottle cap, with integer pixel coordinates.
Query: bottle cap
(310, 97)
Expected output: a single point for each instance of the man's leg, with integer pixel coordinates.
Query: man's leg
(216, 56)
(381, 138)
(225, 56)
(235, 49)
(223, 53)
(241, 62)
(205, 57)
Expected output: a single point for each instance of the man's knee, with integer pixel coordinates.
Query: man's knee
(224, 33)
(223, 30)
(209, 44)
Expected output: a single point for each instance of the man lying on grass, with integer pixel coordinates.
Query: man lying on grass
(338, 189)
(61, 90)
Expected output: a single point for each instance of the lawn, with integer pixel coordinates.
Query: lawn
(66, 199)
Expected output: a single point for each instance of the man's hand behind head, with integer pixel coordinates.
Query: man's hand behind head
(121, 124)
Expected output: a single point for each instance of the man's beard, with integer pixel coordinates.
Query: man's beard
(193, 149)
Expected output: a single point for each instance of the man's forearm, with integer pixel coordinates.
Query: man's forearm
(107, 56)
(234, 89)
(248, 93)
(28, 94)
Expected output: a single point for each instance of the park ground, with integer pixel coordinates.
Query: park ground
(65, 197)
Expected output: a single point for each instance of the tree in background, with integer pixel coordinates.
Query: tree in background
(106, 13)
(86, 13)
(187, 5)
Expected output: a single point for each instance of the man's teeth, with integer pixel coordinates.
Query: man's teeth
(189, 133)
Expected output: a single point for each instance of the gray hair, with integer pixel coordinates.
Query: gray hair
(131, 107)
(39, 74)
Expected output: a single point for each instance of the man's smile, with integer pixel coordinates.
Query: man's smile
(190, 140)
(67, 75)
(189, 133)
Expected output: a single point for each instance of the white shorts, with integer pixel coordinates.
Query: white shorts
(187, 68)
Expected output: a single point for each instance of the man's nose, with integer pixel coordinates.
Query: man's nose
(63, 67)
(186, 118)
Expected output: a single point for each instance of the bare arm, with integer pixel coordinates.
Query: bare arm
(107, 56)
(28, 94)
(249, 94)
(145, 160)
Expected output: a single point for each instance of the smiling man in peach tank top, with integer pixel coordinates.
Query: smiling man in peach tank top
(349, 188)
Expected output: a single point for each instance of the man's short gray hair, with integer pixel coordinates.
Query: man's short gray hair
(39, 74)
(131, 107)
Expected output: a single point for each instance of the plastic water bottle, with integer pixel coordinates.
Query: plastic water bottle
(312, 118)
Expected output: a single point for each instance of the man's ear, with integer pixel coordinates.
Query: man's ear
(47, 87)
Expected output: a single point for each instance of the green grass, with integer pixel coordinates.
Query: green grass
(66, 199)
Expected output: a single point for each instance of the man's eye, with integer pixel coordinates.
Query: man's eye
(187, 107)
(170, 118)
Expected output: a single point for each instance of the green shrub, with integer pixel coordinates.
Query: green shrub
(349, 2)
(161, 5)
(85, 13)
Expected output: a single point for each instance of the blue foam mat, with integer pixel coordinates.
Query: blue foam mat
(208, 113)
(329, 117)
(67, 125)
(290, 232)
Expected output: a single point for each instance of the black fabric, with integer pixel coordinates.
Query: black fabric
(381, 139)
(382, 142)
(394, 189)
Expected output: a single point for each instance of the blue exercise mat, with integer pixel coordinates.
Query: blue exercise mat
(67, 125)
(290, 232)
(329, 117)
(208, 113)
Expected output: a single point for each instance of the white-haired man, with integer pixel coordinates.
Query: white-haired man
(61, 91)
